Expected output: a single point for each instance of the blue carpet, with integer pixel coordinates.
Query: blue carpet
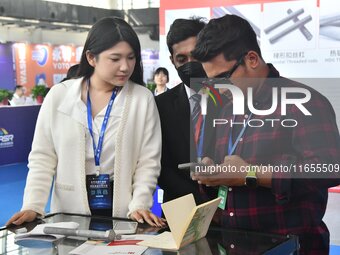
(12, 184)
(334, 250)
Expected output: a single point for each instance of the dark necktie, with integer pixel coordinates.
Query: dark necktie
(195, 108)
(196, 117)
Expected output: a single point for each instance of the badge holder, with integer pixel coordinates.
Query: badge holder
(99, 191)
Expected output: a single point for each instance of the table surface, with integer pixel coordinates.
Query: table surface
(218, 241)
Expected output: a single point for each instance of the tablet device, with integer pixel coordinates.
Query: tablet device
(191, 165)
(125, 227)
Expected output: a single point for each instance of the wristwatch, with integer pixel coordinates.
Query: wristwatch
(251, 179)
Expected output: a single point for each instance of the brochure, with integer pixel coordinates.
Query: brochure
(187, 222)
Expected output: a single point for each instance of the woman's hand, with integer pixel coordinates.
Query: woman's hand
(142, 215)
(21, 217)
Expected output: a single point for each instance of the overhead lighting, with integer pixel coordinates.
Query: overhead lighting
(58, 1)
(31, 21)
(62, 24)
(16, 20)
(96, 4)
(8, 18)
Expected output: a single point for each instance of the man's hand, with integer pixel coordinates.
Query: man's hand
(228, 173)
(207, 161)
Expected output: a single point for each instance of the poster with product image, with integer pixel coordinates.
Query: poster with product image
(329, 25)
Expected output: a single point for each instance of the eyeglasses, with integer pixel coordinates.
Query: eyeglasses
(229, 73)
(225, 76)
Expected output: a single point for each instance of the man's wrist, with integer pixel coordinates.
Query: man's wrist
(264, 178)
(251, 177)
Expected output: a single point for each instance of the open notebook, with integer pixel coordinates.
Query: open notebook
(187, 223)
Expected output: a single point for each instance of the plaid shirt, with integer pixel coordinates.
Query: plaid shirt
(293, 205)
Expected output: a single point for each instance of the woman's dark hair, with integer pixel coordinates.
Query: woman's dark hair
(162, 70)
(231, 35)
(105, 34)
(71, 73)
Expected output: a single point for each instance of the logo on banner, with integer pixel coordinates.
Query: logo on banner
(56, 54)
(6, 139)
(62, 57)
(40, 54)
(21, 65)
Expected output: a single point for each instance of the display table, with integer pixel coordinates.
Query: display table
(17, 124)
(218, 241)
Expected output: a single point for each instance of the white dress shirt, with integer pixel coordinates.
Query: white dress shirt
(107, 157)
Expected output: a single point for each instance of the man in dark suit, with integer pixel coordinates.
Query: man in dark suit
(175, 111)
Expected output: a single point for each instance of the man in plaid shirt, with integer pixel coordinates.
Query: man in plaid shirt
(290, 200)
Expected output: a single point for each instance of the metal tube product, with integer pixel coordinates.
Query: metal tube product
(332, 32)
(329, 19)
(302, 28)
(296, 25)
(284, 20)
(335, 24)
(108, 235)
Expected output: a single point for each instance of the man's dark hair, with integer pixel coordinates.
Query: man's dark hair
(182, 29)
(18, 87)
(231, 35)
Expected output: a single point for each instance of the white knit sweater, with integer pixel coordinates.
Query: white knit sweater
(58, 150)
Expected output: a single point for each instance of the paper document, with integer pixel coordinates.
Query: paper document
(127, 245)
(187, 222)
(38, 231)
(37, 234)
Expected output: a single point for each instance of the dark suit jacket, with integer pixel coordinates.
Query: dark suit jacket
(174, 111)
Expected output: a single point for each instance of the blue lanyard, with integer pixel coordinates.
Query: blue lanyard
(231, 146)
(98, 150)
(200, 141)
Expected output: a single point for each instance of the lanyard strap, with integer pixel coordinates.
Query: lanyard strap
(231, 146)
(98, 149)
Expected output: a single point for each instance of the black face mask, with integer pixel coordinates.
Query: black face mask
(189, 70)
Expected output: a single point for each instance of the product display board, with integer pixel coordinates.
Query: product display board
(301, 38)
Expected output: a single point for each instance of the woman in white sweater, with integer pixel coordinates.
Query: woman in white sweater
(98, 135)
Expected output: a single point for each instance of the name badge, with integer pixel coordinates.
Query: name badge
(223, 194)
(99, 191)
